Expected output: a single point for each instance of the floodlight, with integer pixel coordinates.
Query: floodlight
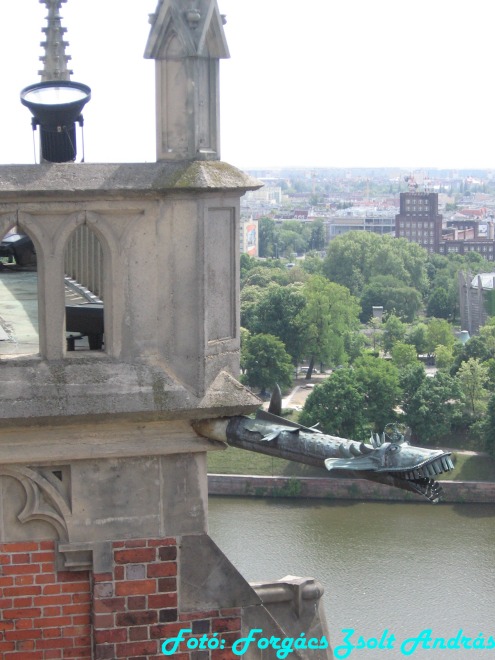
(56, 105)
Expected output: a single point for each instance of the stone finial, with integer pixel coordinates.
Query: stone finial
(187, 41)
(55, 59)
(197, 24)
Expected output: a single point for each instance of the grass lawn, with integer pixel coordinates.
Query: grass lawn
(472, 468)
(238, 461)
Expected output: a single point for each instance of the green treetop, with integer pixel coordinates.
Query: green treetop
(330, 313)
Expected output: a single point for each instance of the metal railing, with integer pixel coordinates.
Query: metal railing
(84, 260)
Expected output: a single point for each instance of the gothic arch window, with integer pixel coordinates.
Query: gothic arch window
(19, 329)
(84, 291)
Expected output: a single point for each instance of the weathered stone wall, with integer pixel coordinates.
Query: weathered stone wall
(121, 481)
(169, 236)
(100, 468)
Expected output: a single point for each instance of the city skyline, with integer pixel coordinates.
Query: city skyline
(353, 84)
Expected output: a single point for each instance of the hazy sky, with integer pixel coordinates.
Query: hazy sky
(316, 83)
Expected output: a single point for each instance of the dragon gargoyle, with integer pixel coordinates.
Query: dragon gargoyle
(388, 459)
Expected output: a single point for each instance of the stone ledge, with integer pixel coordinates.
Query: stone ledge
(42, 391)
(98, 441)
(75, 180)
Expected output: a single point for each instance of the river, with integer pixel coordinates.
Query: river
(401, 567)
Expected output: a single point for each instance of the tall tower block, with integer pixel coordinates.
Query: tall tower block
(419, 220)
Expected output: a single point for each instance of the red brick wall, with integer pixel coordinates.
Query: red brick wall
(44, 615)
(136, 607)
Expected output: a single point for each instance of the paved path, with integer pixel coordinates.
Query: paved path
(302, 389)
(19, 311)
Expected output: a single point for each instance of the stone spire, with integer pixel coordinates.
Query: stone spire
(55, 59)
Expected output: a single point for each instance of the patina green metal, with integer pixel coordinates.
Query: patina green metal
(389, 458)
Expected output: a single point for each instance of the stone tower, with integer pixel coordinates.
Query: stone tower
(187, 42)
(104, 546)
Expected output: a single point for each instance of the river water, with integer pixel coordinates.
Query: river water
(396, 567)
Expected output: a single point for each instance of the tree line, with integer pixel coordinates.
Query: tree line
(320, 312)
(289, 237)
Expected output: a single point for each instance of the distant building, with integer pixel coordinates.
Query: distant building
(338, 225)
(477, 298)
(270, 194)
(249, 237)
(461, 237)
(418, 220)
(484, 246)
(378, 312)
(293, 214)
(461, 229)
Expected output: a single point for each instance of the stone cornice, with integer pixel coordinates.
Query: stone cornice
(107, 389)
(78, 180)
(55, 444)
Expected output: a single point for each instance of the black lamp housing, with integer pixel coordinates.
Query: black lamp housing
(56, 105)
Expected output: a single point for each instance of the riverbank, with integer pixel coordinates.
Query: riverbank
(341, 489)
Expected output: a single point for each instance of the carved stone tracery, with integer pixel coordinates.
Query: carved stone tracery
(43, 500)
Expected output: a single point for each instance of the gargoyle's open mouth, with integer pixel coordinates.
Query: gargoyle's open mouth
(421, 478)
